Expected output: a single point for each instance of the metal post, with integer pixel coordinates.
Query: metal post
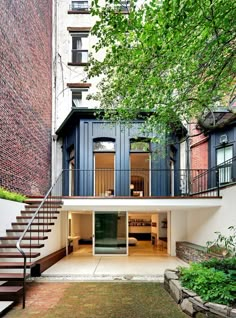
(217, 182)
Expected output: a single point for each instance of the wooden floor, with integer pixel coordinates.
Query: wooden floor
(142, 248)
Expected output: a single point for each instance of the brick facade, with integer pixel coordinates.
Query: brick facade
(199, 149)
(25, 95)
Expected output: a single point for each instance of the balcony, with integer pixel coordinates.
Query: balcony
(141, 183)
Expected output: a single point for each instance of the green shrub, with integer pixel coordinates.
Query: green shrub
(210, 284)
(13, 196)
(227, 265)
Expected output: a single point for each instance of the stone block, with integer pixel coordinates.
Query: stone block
(198, 304)
(170, 275)
(187, 307)
(188, 293)
(176, 290)
(233, 313)
(221, 310)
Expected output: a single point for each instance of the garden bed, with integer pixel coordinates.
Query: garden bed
(190, 302)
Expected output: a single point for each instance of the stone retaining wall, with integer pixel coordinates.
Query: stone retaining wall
(189, 252)
(191, 303)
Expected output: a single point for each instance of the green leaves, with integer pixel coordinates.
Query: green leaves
(174, 59)
(210, 284)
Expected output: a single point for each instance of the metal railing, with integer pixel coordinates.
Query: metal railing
(142, 182)
(45, 213)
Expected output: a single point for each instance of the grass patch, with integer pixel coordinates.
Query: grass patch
(13, 196)
(104, 300)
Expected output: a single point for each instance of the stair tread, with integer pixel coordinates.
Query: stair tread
(15, 264)
(22, 245)
(18, 254)
(37, 217)
(12, 276)
(43, 212)
(33, 230)
(10, 289)
(26, 223)
(24, 238)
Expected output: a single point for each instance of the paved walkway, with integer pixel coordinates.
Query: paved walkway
(77, 267)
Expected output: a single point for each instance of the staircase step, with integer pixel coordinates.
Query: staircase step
(24, 238)
(5, 306)
(15, 265)
(33, 230)
(18, 255)
(37, 217)
(36, 224)
(10, 292)
(45, 206)
(48, 202)
(22, 245)
(12, 277)
(41, 211)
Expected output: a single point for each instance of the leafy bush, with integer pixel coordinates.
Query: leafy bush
(227, 265)
(224, 245)
(210, 284)
(13, 196)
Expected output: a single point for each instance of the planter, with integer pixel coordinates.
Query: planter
(191, 303)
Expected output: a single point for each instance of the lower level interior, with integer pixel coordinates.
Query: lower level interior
(118, 233)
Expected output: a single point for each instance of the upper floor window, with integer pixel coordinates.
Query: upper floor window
(104, 146)
(124, 5)
(82, 5)
(80, 47)
(79, 97)
(223, 160)
(139, 146)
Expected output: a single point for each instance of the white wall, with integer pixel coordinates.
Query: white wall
(202, 224)
(178, 229)
(9, 211)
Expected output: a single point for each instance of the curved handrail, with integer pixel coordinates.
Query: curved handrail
(18, 243)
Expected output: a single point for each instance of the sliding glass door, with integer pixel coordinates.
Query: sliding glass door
(110, 233)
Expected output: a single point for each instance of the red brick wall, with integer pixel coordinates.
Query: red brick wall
(199, 149)
(25, 95)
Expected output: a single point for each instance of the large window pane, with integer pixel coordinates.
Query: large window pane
(223, 156)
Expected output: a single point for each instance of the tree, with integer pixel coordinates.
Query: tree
(172, 59)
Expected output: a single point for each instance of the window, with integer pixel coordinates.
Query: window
(223, 156)
(79, 97)
(124, 5)
(104, 146)
(79, 5)
(139, 146)
(80, 48)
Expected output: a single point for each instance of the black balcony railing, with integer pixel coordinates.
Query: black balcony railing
(148, 183)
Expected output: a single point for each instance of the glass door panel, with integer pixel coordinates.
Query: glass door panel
(110, 233)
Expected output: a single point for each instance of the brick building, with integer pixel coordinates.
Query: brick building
(25, 95)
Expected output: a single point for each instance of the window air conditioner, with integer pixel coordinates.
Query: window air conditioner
(223, 139)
